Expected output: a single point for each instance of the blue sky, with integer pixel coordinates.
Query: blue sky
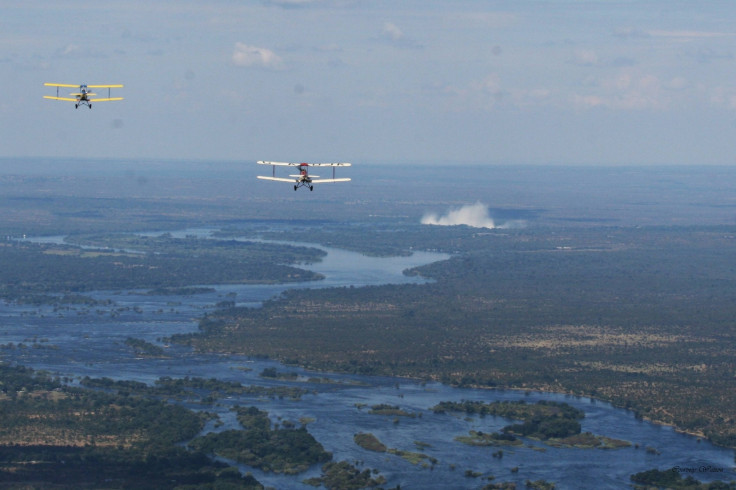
(558, 82)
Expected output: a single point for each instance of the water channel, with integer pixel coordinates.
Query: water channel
(83, 341)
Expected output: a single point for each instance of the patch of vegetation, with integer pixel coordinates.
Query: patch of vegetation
(539, 485)
(587, 440)
(411, 456)
(289, 451)
(542, 420)
(344, 476)
(192, 388)
(272, 372)
(52, 435)
(32, 271)
(673, 479)
(478, 438)
(370, 442)
(500, 486)
(393, 410)
(59, 300)
(143, 348)
(182, 291)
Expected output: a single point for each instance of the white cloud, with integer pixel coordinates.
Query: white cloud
(246, 55)
(627, 90)
(690, 34)
(488, 94)
(392, 32)
(631, 33)
(584, 57)
(394, 35)
(724, 97)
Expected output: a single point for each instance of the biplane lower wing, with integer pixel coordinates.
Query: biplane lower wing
(278, 179)
(106, 100)
(60, 98)
(303, 178)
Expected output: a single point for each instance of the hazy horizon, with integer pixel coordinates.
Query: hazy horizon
(505, 196)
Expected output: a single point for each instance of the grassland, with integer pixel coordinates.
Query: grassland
(639, 317)
(55, 436)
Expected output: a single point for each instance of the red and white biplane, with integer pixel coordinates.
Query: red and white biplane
(303, 178)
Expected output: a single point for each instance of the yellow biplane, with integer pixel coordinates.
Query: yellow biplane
(83, 96)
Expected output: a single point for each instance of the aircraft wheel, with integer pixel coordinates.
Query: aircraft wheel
(311, 188)
(294, 187)
(90, 106)
(76, 106)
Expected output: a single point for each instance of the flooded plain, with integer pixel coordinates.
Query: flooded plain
(77, 341)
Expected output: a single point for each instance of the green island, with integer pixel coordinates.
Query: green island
(345, 476)
(588, 440)
(478, 438)
(144, 349)
(392, 410)
(283, 450)
(180, 291)
(370, 442)
(673, 479)
(273, 373)
(192, 388)
(54, 435)
(60, 300)
(556, 423)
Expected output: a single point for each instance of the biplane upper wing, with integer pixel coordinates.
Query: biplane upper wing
(325, 181)
(295, 164)
(279, 164)
(77, 85)
(82, 95)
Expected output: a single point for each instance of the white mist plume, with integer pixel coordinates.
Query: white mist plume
(475, 215)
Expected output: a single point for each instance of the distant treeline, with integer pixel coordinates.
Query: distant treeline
(32, 271)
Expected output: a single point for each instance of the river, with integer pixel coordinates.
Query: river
(79, 341)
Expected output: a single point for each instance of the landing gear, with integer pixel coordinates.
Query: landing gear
(90, 106)
(76, 106)
(296, 187)
(311, 188)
